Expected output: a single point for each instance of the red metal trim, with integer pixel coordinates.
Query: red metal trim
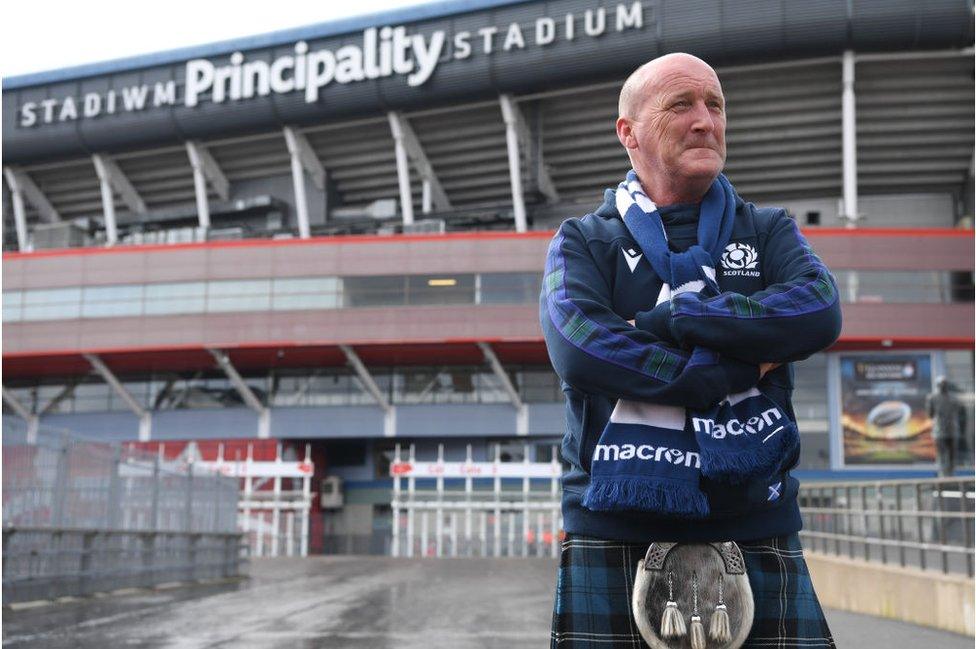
(412, 238)
(264, 345)
(888, 232)
(947, 342)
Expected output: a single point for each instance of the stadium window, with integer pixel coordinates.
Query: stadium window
(13, 303)
(509, 288)
(813, 218)
(111, 301)
(239, 295)
(175, 297)
(440, 289)
(299, 293)
(539, 386)
(52, 304)
(378, 290)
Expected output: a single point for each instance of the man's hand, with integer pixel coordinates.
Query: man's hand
(766, 367)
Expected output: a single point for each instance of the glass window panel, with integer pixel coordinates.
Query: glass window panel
(540, 386)
(239, 295)
(306, 293)
(175, 297)
(510, 288)
(440, 289)
(873, 286)
(91, 397)
(379, 290)
(52, 304)
(109, 301)
(12, 305)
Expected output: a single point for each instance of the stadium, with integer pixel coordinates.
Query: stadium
(308, 248)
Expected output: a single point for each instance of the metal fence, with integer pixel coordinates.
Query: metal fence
(81, 516)
(926, 524)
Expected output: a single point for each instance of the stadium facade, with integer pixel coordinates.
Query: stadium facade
(333, 236)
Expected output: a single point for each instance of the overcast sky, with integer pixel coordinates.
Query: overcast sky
(41, 35)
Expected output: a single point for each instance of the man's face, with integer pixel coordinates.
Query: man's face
(679, 123)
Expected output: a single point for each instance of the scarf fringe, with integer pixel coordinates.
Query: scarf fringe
(614, 494)
(736, 467)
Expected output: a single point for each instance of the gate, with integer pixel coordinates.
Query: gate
(487, 509)
(275, 496)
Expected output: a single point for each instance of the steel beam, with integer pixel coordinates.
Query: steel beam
(20, 212)
(108, 203)
(145, 417)
(205, 169)
(65, 392)
(303, 159)
(849, 138)
(23, 413)
(32, 194)
(405, 137)
(243, 389)
(298, 144)
(389, 421)
(108, 168)
(514, 162)
(530, 146)
(403, 171)
(365, 376)
(500, 372)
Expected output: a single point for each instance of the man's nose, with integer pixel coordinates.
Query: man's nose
(704, 121)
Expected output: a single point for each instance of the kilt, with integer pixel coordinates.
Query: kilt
(596, 579)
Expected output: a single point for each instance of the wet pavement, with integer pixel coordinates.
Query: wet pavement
(358, 603)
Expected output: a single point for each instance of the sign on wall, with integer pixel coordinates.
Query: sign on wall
(307, 70)
(880, 413)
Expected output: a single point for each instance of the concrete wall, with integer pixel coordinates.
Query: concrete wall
(920, 597)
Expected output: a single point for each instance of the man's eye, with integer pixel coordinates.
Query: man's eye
(681, 104)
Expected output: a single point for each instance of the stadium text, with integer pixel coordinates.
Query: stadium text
(384, 52)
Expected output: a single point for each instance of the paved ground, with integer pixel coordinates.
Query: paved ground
(355, 603)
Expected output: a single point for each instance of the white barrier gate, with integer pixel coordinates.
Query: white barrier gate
(487, 517)
(275, 521)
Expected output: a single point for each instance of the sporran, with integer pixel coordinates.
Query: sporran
(693, 596)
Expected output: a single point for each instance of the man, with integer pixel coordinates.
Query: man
(948, 423)
(608, 341)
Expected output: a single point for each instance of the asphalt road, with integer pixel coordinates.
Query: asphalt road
(359, 602)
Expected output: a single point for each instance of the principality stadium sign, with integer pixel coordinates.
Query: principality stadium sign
(390, 51)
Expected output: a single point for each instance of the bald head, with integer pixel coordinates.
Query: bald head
(672, 123)
(641, 85)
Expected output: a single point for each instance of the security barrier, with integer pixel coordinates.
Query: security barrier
(488, 508)
(81, 516)
(927, 524)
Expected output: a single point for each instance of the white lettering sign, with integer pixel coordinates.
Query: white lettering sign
(383, 52)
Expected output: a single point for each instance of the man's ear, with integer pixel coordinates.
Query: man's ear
(625, 133)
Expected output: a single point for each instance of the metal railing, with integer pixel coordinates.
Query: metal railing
(925, 523)
(82, 516)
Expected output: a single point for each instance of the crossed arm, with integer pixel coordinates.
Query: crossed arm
(595, 350)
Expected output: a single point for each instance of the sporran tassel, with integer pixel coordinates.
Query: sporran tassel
(697, 629)
(718, 628)
(672, 622)
(697, 633)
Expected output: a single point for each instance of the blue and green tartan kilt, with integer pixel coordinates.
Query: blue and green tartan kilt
(596, 579)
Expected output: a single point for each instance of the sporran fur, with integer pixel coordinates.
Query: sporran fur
(691, 576)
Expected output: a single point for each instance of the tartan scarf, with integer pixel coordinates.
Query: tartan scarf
(652, 457)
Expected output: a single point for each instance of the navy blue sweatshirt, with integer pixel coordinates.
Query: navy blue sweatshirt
(779, 303)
